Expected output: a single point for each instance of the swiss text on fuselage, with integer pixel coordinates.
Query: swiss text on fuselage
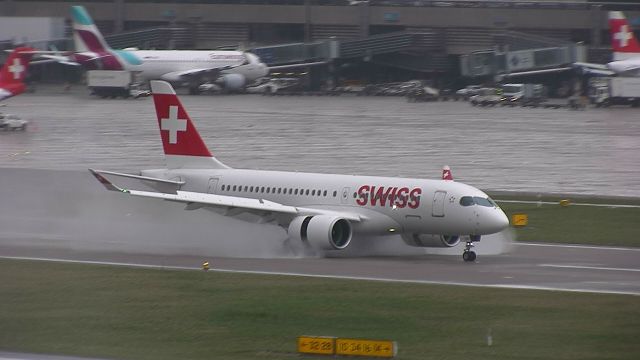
(399, 197)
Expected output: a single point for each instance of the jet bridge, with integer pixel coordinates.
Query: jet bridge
(518, 53)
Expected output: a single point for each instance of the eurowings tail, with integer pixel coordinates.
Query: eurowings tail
(182, 144)
(624, 43)
(14, 71)
(86, 36)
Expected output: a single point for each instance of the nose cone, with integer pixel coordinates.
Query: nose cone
(499, 221)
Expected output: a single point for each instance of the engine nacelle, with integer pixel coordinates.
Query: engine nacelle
(426, 240)
(322, 232)
(232, 81)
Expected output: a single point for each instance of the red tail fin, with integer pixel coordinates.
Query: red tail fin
(623, 40)
(15, 68)
(446, 173)
(182, 143)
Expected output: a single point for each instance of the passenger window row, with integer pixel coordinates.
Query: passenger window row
(274, 190)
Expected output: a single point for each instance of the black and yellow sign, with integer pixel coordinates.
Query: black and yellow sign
(520, 220)
(372, 348)
(316, 345)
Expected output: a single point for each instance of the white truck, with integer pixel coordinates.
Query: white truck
(113, 84)
(606, 91)
(522, 94)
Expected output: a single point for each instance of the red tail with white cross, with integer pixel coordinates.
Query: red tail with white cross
(15, 70)
(623, 41)
(183, 146)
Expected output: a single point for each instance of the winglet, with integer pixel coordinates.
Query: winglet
(105, 182)
(446, 173)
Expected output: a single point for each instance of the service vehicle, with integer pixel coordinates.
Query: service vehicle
(606, 91)
(11, 122)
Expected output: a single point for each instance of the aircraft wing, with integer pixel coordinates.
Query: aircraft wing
(196, 199)
(181, 75)
(594, 69)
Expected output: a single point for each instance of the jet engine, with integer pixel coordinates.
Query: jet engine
(427, 240)
(232, 82)
(321, 232)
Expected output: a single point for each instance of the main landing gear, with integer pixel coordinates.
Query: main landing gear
(469, 255)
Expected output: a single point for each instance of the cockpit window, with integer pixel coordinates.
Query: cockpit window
(484, 201)
(466, 201)
(476, 200)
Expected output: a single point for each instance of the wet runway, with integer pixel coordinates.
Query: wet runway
(534, 150)
(52, 208)
(529, 266)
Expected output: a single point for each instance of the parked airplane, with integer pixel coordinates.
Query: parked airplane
(322, 211)
(14, 71)
(232, 70)
(626, 50)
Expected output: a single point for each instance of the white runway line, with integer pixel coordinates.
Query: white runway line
(571, 204)
(590, 247)
(587, 267)
(320, 276)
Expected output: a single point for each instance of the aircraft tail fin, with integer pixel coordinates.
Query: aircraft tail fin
(624, 42)
(182, 144)
(446, 173)
(86, 36)
(15, 68)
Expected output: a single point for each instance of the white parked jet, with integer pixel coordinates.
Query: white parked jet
(232, 70)
(322, 211)
(626, 50)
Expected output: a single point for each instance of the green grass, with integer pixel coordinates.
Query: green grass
(125, 313)
(593, 225)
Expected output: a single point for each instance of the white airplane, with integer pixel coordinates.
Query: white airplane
(322, 211)
(232, 70)
(626, 50)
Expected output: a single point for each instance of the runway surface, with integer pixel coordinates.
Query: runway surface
(52, 208)
(521, 149)
(529, 266)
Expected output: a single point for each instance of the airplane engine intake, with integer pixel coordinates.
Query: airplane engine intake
(233, 81)
(322, 232)
(427, 240)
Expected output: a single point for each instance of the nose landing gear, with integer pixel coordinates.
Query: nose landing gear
(469, 255)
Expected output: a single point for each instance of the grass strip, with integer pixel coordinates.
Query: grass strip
(127, 313)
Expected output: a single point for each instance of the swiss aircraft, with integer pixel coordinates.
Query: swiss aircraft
(14, 71)
(626, 50)
(321, 211)
(232, 70)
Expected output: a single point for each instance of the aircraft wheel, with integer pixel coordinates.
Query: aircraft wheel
(469, 256)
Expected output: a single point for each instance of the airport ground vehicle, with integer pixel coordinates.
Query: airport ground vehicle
(272, 86)
(522, 94)
(423, 94)
(486, 97)
(12, 122)
(606, 91)
(114, 83)
(468, 91)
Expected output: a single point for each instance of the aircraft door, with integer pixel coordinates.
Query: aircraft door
(438, 204)
(345, 195)
(213, 185)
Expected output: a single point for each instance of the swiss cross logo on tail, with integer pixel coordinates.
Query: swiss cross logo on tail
(173, 124)
(623, 36)
(16, 69)
(179, 136)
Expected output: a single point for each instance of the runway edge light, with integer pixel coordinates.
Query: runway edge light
(323, 345)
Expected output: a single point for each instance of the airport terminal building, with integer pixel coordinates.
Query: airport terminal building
(380, 40)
